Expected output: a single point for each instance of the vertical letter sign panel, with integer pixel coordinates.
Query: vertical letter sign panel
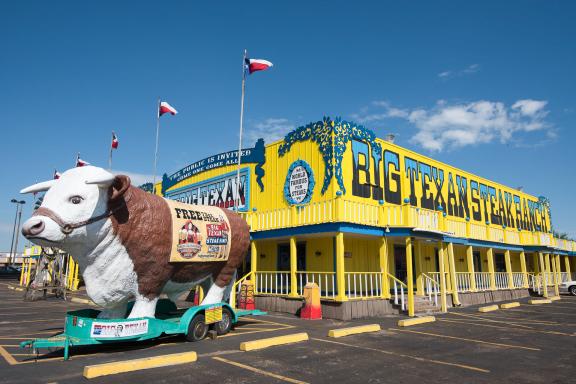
(299, 184)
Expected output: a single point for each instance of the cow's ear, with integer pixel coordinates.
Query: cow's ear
(119, 187)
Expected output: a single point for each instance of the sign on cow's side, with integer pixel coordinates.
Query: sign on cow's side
(199, 233)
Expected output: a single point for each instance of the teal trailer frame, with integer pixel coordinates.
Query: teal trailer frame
(82, 327)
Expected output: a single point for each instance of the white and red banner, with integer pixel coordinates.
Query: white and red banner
(166, 108)
(255, 65)
(114, 141)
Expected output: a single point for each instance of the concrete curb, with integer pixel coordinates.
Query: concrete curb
(539, 301)
(416, 321)
(81, 301)
(272, 341)
(341, 332)
(92, 371)
(489, 308)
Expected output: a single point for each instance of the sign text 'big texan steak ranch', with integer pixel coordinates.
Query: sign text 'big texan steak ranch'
(200, 233)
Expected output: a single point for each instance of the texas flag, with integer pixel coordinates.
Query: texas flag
(166, 108)
(114, 141)
(254, 65)
(56, 175)
(80, 162)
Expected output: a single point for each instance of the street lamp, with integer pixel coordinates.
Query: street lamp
(16, 230)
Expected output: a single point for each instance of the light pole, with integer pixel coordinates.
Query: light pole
(16, 232)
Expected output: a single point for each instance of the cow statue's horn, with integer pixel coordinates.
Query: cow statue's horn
(39, 187)
(102, 178)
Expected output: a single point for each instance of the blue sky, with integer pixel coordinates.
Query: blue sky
(487, 86)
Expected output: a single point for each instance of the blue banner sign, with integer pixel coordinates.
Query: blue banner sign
(248, 155)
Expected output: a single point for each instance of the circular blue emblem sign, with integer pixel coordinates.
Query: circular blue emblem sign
(299, 184)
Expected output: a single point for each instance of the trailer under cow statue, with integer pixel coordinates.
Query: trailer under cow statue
(131, 247)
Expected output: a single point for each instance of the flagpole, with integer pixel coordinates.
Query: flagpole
(241, 127)
(110, 157)
(156, 150)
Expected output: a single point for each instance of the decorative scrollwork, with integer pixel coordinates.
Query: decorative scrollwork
(332, 136)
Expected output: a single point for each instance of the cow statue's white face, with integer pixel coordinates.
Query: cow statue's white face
(78, 195)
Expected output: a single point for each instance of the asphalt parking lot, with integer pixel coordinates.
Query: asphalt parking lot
(528, 344)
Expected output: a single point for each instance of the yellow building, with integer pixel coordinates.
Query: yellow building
(379, 228)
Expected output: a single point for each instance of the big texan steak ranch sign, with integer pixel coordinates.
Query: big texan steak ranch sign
(389, 175)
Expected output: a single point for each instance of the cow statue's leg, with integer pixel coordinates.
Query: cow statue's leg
(143, 307)
(117, 312)
(215, 295)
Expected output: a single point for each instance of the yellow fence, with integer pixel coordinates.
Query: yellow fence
(341, 209)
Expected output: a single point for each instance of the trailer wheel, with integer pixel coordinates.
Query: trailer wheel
(225, 325)
(197, 329)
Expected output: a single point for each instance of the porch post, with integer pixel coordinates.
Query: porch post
(442, 277)
(455, 298)
(419, 269)
(471, 271)
(536, 262)
(293, 267)
(543, 277)
(524, 270)
(340, 276)
(555, 273)
(254, 263)
(490, 257)
(383, 257)
(559, 269)
(509, 269)
(447, 275)
(547, 269)
(409, 276)
(567, 265)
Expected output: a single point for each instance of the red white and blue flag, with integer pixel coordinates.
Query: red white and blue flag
(254, 65)
(114, 141)
(166, 108)
(80, 162)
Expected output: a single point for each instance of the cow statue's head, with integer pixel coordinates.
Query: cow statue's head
(75, 206)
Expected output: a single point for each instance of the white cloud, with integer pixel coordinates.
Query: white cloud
(461, 124)
(469, 70)
(530, 107)
(270, 130)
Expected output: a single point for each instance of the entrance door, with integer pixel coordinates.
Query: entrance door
(400, 270)
(500, 262)
(284, 257)
(477, 261)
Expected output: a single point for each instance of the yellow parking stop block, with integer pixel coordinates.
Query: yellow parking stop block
(272, 341)
(416, 320)
(539, 301)
(554, 298)
(510, 305)
(91, 371)
(353, 330)
(489, 308)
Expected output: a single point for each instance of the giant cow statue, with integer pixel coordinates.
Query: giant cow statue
(122, 239)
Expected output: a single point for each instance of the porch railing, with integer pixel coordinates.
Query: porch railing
(518, 279)
(400, 289)
(431, 289)
(361, 285)
(273, 282)
(565, 276)
(535, 283)
(463, 282)
(326, 281)
(501, 280)
(482, 281)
